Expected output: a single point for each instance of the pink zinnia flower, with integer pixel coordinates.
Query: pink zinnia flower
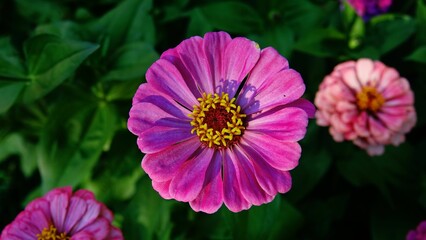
(366, 102)
(61, 215)
(419, 233)
(370, 8)
(219, 121)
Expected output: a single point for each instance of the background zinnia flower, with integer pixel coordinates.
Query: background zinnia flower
(368, 103)
(370, 8)
(219, 121)
(61, 214)
(419, 233)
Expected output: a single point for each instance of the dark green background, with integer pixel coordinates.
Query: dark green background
(68, 71)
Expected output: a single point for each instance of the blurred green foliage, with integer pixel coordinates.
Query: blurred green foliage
(68, 71)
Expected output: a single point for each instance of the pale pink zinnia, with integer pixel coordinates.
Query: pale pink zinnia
(419, 233)
(61, 215)
(368, 103)
(218, 121)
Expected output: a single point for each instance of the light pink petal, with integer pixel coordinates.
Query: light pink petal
(339, 124)
(350, 79)
(162, 188)
(99, 229)
(92, 212)
(165, 77)
(379, 131)
(239, 59)
(214, 47)
(75, 212)
(405, 100)
(191, 52)
(281, 88)
(283, 156)
(364, 68)
(232, 195)
(157, 111)
(250, 188)
(396, 89)
(286, 124)
(159, 138)
(375, 150)
(388, 76)
(337, 136)
(344, 65)
(210, 197)
(360, 125)
(162, 166)
(188, 181)
(391, 121)
(58, 209)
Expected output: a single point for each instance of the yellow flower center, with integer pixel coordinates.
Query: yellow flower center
(217, 121)
(51, 234)
(369, 99)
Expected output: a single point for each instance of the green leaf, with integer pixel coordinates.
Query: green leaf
(312, 167)
(421, 22)
(64, 29)
(128, 22)
(147, 216)
(198, 24)
(419, 55)
(12, 75)
(131, 61)
(73, 141)
(50, 61)
(40, 11)
(388, 31)
(234, 17)
(281, 38)
(321, 42)
(116, 176)
(14, 144)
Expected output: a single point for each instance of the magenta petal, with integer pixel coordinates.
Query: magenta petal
(240, 57)
(164, 76)
(76, 210)
(281, 88)
(191, 52)
(287, 124)
(58, 209)
(162, 188)
(188, 181)
(232, 196)
(270, 179)
(270, 63)
(162, 166)
(92, 212)
(159, 138)
(280, 155)
(115, 234)
(249, 186)
(304, 104)
(157, 111)
(145, 90)
(82, 236)
(214, 48)
(99, 229)
(210, 198)
(42, 205)
(84, 194)
(39, 219)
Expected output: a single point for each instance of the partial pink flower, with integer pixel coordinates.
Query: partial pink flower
(218, 121)
(368, 103)
(419, 233)
(61, 215)
(370, 8)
